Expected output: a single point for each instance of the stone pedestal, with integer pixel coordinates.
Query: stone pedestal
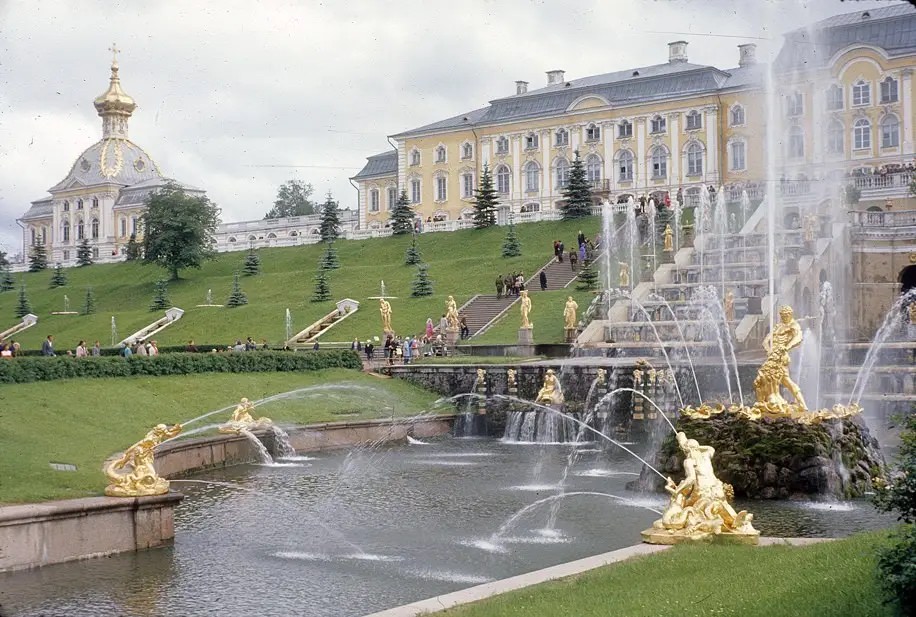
(451, 337)
(525, 342)
(668, 257)
(570, 335)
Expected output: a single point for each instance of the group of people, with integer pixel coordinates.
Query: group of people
(47, 349)
(139, 348)
(9, 350)
(510, 285)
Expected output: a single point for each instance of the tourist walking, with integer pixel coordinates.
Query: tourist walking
(499, 286)
(562, 249)
(126, 351)
(443, 324)
(407, 351)
(463, 324)
(81, 351)
(573, 258)
(543, 280)
(580, 239)
(47, 347)
(556, 249)
(96, 350)
(429, 329)
(369, 349)
(140, 349)
(152, 349)
(583, 253)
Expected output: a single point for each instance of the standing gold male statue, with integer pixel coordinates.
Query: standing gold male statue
(451, 314)
(786, 336)
(728, 305)
(624, 274)
(385, 309)
(669, 239)
(569, 313)
(526, 310)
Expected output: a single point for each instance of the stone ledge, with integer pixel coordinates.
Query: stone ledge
(67, 508)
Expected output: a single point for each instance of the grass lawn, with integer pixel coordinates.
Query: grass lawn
(832, 579)
(461, 263)
(82, 422)
(546, 315)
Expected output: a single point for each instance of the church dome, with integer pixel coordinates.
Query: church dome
(113, 159)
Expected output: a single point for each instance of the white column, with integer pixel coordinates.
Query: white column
(641, 177)
(517, 185)
(607, 130)
(675, 149)
(818, 104)
(906, 122)
(575, 137)
(402, 166)
(712, 143)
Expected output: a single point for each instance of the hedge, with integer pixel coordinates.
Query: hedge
(29, 369)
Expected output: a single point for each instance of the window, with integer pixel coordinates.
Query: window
(834, 98)
(123, 227)
(467, 151)
(392, 197)
(562, 173)
(502, 145)
(531, 141)
(65, 229)
(659, 163)
(890, 132)
(80, 230)
(441, 188)
(95, 202)
(561, 137)
(889, 90)
(95, 229)
(95, 252)
(861, 134)
(737, 115)
(625, 166)
(467, 185)
(835, 137)
(502, 179)
(593, 168)
(44, 235)
(532, 207)
(79, 204)
(414, 157)
(861, 93)
(658, 124)
(694, 160)
(33, 236)
(796, 143)
(532, 176)
(66, 206)
(625, 129)
(414, 191)
(694, 120)
(795, 104)
(373, 200)
(738, 156)
(440, 154)
(66, 255)
(593, 132)
(133, 224)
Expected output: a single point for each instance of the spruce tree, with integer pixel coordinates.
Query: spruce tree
(322, 286)
(252, 265)
(330, 220)
(485, 200)
(133, 251)
(161, 298)
(38, 258)
(587, 279)
(401, 216)
(412, 256)
(237, 297)
(6, 280)
(422, 286)
(84, 253)
(329, 260)
(23, 307)
(89, 302)
(578, 192)
(511, 246)
(59, 278)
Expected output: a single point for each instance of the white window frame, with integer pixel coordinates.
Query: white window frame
(502, 145)
(734, 114)
(593, 165)
(593, 132)
(531, 141)
(861, 134)
(441, 188)
(659, 159)
(894, 141)
(94, 229)
(441, 154)
(658, 124)
(891, 87)
(694, 159)
(561, 142)
(796, 143)
(65, 230)
(835, 99)
(861, 94)
(532, 177)
(416, 191)
(467, 185)
(467, 151)
(626, 164)
(836, 137)
(503, 175)
(415, 157)
(374, 199)
(737, 155)
(625, 134)
(392, 196)
(795, 104)
(697, 117)
(562, 173)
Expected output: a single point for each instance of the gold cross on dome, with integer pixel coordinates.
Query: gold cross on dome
(114, 53)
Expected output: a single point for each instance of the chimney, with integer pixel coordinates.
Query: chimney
(521, 87)
(747, 54)
(677, 51)
(555, 77)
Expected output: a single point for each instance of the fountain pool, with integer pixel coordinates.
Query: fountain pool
(350, 533)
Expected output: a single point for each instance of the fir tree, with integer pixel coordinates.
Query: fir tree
(511, 246)
(23, 307)
(330, 220)
(322, 286)
(89, 302)
(485, 200)
(84, 253)
(587, 279)
(59, 278)
(252, 265)
(578, 192)
(38, 258)
(412, 256)
(329, 260)
(401, 216)
(422, 286)
(237, 297)
(133, 251)
(161, 298)
(6, 280)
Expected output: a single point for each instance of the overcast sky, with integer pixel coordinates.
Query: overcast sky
(238, 96)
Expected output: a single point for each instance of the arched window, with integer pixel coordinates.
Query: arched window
(532, 176)
(95, 229)
(95, 202)
(414, 157)
(659, 158)
(624, 129)
(79, 204)
(737, 115)
(796, 142)
(561, 137)
(502, 145)
(271, 236)
(503, 179)
(694, 120)
(593, 132)
(834, 98)
(658, 124)
(889, 90)
(66, 206)
(252, 238)
(890, 131)
(467, 151)
(65, 230)
(694, 160)
(440, 154)
(835, 137)
(562, 168)
(861, 134)
(373, 200)
(293, 233)
(861, 93)
(593, 168)
(231, 239)
(625, 166)
(80, 230)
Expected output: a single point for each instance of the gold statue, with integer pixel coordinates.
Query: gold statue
(243, 420)
(668, 239)
(913, 313)
(809, 228)
(601, 377)
(451, 314)
(385, 309)
(699, 505)
(786, 336)
(637, 377)
(728, 305)
(569, 313)
(550, 392)
(510, 377)
(526, 310)
(142, 479)
(624, 274)
(481, 376)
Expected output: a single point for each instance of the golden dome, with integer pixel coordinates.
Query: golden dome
(114, 100)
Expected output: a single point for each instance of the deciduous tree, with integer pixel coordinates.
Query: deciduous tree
(179, 229)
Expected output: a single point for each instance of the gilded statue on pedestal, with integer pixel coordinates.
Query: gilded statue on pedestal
(510, 377)
(601, 377)
(142, 479)
(569, 313)
(451, 314)
(243, 420)
(624, 274)
(385, 309)
(728, 305)
(526, 310)
(668, 237)
(550, 392)
(786, 336)
(912, 311)
(699, 507)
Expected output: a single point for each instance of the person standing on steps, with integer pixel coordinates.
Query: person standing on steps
(543, 280)
(561, 250)
(499, 286)
(463, 324)
(573, 259)
(556, 250)
(580, 239)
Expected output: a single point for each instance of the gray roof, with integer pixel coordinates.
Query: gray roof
(40, 209)
(124, 162)
(383, 164)
(892, 28)
(136, 194)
